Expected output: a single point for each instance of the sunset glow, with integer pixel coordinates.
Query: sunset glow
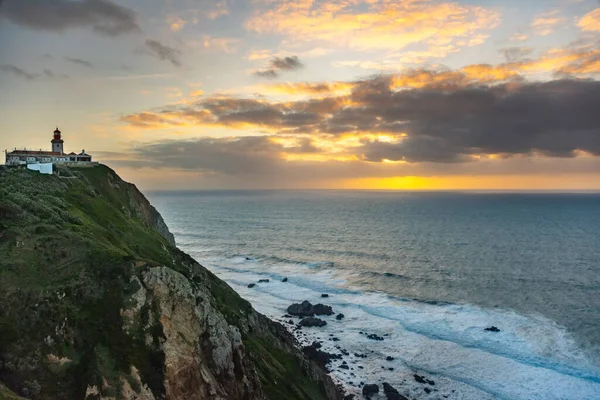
(359, 94)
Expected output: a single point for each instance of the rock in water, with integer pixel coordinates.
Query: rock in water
(324, 295)
(389, 358)
(321, 309)
(263, 281)
(284, 280)
(251, 285)
(391, 393)
(312, 321)
(492, 329)
(370, 389)
(319, 356)
(305, 309)
(339, 316)
(374, 336)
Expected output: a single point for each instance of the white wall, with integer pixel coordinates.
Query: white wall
(42, 168)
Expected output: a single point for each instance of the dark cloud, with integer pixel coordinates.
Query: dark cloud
(8, 68)
(103, 16)
(163, 52)
(79, 61)
(248, 155)
(454, 124)
(513, 54)
(286, 63)
(52, 75)
(278, 64)
(555, 118)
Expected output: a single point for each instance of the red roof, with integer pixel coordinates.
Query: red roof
(37, 152)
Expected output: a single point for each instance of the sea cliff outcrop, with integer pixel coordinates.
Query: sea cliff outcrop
(96, 302)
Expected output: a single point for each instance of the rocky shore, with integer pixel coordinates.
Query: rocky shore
(96, 302)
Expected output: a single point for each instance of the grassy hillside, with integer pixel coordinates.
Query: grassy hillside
(70, 247)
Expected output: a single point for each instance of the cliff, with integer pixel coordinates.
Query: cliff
(96, 302)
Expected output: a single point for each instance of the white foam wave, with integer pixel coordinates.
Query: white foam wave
(530, 358)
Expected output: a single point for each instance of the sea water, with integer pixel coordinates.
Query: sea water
(426, 271)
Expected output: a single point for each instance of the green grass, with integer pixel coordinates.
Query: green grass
(69, 247)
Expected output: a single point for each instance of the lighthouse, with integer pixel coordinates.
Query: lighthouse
(57, 142)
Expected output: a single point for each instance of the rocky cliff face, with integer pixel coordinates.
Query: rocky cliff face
(96, 302)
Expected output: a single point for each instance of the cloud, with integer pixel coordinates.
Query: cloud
(591, 21)
(278, 64)
(222, 44)
(79, 61)
(216, 9)
(50, 74)
(375, 25)
(451, 123)
(512, 54)
(305, 88)
(8, 68)
(546, 23)
(176, 22)
(518, 37)
(163, 52)
(103, 16)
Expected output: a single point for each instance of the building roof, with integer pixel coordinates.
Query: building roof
(35, 152)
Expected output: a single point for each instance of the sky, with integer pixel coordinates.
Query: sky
(307, 94)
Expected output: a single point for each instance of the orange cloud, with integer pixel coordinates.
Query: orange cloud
(488, 73)
(590, 21)
(224, 44)
(546, 23)
(306, 88)
(383, 26)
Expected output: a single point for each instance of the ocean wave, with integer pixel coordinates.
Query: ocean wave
(446, 340)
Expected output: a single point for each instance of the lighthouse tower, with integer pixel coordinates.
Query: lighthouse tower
(57, 142)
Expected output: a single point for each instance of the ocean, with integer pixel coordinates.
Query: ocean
(428, 272)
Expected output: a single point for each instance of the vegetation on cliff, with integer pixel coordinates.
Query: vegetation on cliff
(97, 302)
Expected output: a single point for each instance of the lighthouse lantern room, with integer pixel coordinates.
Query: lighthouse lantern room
(57, 142)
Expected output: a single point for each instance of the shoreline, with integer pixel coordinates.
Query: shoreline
(459, 368)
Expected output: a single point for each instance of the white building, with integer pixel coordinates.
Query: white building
(56, 156)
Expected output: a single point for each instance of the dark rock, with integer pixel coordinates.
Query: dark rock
(334, 339)
(427, 390)
(263, 281)
(360, 355)
(291, 322)
(305, 309)
(389, 358)
(422, 379)
(391, 393)
(349, 397)
(320, 357)
(343, 366)
(492, 329)
(316, 345)
(324, 295)
(251, 285)
(370, 389)
(374, 336)
(321, 309)
(284, 280)
(339, 316)
(312, 321)
(391, 369)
